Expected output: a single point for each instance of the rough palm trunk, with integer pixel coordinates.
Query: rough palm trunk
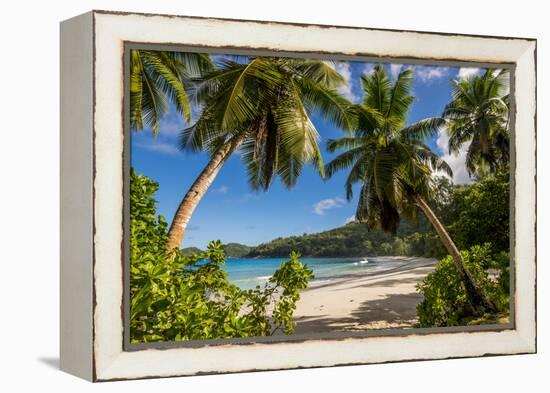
(195, 194)
(476, 297)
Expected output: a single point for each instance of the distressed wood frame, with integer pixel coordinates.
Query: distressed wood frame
(93, 158)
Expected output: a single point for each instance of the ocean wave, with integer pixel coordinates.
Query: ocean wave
(263, 278)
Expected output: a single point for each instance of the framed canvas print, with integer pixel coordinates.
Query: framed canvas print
(246, 195)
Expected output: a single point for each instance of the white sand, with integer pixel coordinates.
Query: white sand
(373, 300)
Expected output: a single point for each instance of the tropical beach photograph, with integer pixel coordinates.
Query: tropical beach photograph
(278, 196)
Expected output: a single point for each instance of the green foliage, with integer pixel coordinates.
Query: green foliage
(350, 240)
(479, 115)
(480, 213)
(177, 297)
(284, 286)
(157, 77)
(263, 107)
(445, 302)
(384, 155)
(147, 231)
(399, 247)
(236, 250)
(425, 244)
(473, 214)
(232, 250)
(190, 251)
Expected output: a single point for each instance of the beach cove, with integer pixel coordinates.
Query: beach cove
(372, 300)
(348, 294)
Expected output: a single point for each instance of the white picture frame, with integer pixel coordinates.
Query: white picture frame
(92, 195)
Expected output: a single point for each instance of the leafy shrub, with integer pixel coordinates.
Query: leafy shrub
(425, 245)
(399, 247)
(445, 302)
(350, 240)
(480, 213)
(177, 297)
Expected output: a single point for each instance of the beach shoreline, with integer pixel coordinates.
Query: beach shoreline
(364, 301)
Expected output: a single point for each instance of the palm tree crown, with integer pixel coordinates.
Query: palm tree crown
(265, 105)
(261, 106)
(387, 157)
(159, 77)
(394, 166)
(479, 115)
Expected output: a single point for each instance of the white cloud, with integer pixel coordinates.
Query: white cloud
(344, 69)
(171, 125)
(350, 219)
(466, 72)
(457, 162)
(221, 190)
(428, 74)
(369, 68)
(395, 69)
(158, 146)
(326, 204)
(248, 197)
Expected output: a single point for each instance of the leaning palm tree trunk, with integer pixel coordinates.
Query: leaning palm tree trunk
(476, 297)
(195, 194)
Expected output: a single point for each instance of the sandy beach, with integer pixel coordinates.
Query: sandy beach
(373, 300)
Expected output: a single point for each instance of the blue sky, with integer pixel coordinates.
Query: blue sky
(231, 212)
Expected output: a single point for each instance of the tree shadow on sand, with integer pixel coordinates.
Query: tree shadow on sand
(397, 310)
(415, 277)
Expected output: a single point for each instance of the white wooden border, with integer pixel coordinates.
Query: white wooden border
(76, 173)
(110, 32)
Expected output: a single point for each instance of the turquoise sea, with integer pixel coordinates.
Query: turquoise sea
(247, 273)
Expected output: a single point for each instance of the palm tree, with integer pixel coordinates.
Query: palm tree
(479, 114)
(157, 77)
(394, 166)
(261, 106)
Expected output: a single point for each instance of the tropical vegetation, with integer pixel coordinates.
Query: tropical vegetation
(262, 107)
(177, 297)
(445, 302)
(478, 116)
(394, 166)
(232, 250)
(158, 78)
(350, 240)
(474, 214)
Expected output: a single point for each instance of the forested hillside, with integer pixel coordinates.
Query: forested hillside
(473, 214)
(350, 240)
(232, 250)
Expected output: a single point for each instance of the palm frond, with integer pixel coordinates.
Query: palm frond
(169, 77)
(318, 72)
(343, 161)
(478, 115)
(327, 102)
(159, 77)
(390, 160)
(400, 98)
(423, 129)
(376, 88)
(357, 174)
(350, 142)
(299, 137)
